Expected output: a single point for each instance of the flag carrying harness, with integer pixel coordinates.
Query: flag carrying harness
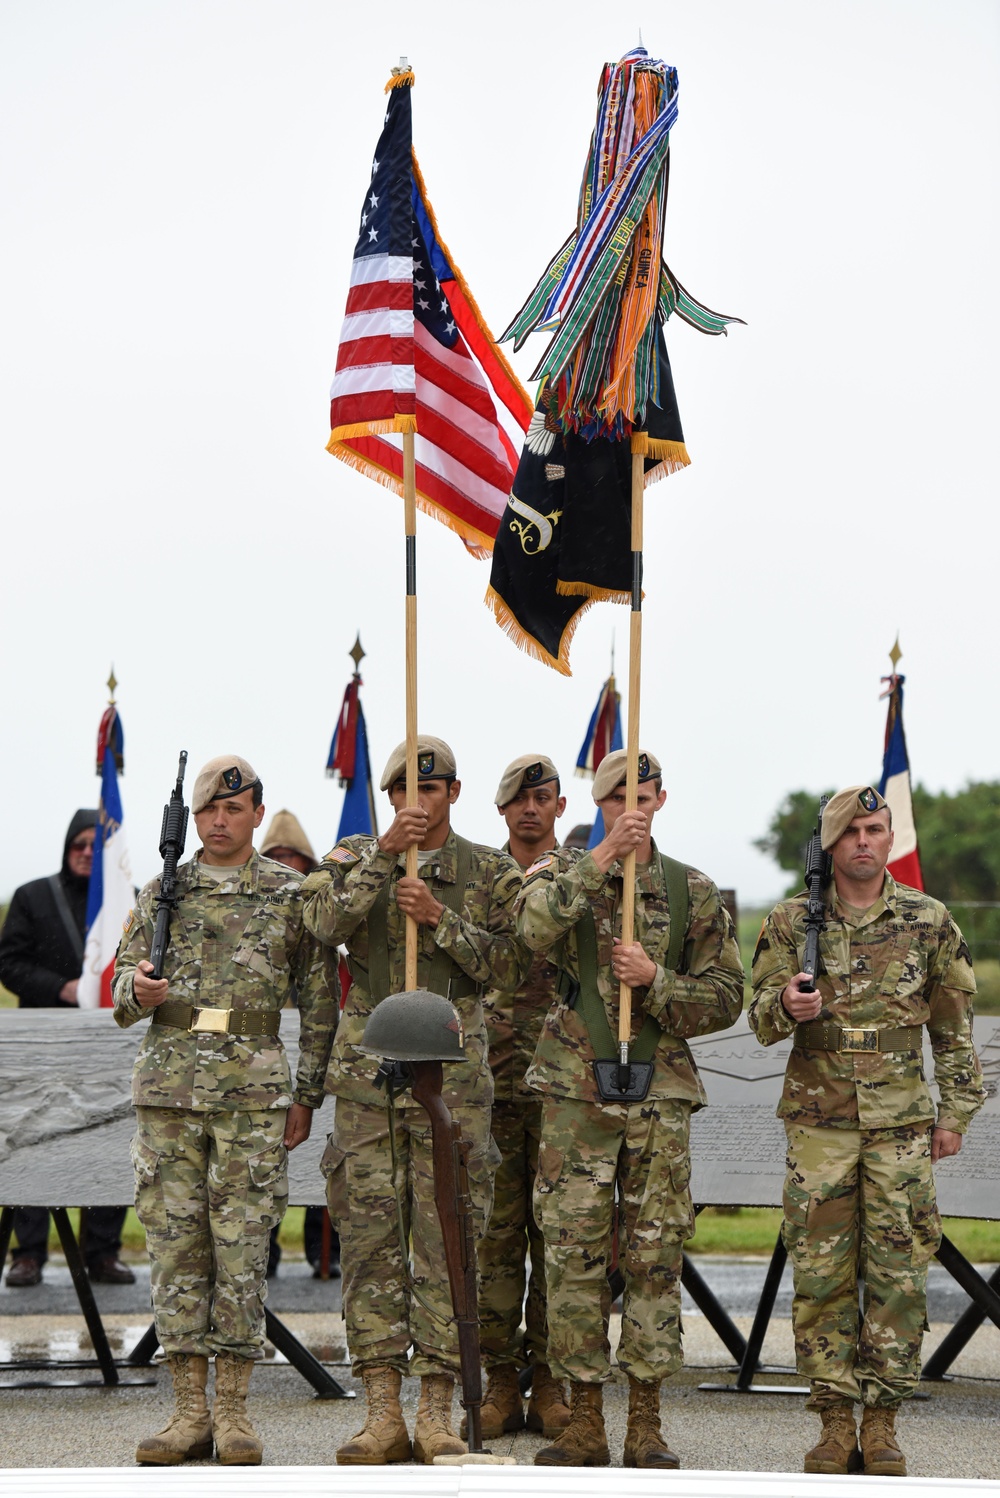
(440, 977)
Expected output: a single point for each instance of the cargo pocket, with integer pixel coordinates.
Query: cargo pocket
(925, 1221)
(149, 1205)
(550, 1169)
(677, 1221)
(267, 1187)
(333, 1168)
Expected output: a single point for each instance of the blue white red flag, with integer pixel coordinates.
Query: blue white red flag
(604, 733)
(904, 866)
(111, 892)
(348, 759)
(417, 356)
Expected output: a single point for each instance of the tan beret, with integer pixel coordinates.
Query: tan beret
(435, 761)
(611, 771)
(525, 771)
(286, 831)
(224, 776)
(841, 809)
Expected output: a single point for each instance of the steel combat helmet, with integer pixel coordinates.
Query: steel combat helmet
(414, 1026)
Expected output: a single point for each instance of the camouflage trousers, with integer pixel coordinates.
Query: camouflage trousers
(383, 1320)
(859, 1205)
(513, 1231)
(587, 1151)
(210, 1184)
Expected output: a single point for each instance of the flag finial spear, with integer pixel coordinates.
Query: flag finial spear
(403, 65)
(112, 683)
(357, 654)
(895, 654)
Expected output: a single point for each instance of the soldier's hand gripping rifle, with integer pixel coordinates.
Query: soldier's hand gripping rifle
(819, 867)
(173, 834)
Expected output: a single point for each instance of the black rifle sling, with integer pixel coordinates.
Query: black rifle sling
(66, 916)
(592, 1005)
(436, 975)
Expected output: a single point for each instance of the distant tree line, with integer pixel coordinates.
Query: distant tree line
(959, 842)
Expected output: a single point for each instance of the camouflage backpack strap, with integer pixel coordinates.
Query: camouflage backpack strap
(441, 977)
(444, 977)
(591, 1003)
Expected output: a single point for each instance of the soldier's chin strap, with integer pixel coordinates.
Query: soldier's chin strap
(395, 1077)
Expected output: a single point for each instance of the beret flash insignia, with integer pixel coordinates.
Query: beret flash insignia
(643, 766)
(425, 763)
(868, 799)
(232, 779)
(533, 774)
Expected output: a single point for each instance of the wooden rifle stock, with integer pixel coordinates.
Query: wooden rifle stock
(454, 1208)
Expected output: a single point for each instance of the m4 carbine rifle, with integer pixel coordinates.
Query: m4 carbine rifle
(819, 867)
(173, 834)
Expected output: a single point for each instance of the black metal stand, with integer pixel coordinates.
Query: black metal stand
(91, 1315)
(286, 1342)
(717, 1317)
(985, 1304)
(750, 1362)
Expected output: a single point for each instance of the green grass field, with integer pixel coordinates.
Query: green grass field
(719, 1230)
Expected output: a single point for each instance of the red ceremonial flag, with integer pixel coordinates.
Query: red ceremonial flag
(416, 355)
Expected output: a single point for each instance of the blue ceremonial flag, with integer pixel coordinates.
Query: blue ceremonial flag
(349, 760)
(111, 892)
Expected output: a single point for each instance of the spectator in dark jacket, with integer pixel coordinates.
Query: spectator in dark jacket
(41, 956)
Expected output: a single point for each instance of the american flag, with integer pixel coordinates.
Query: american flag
(416, 355)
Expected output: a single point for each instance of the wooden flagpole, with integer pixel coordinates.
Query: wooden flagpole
(410, 524)
(639, 444)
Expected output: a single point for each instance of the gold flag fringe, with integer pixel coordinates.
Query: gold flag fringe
(476, 542)
(370, 429)
(401, 80)
(511, 626)
(594, 595)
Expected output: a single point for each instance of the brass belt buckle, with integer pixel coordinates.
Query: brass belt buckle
(858, 1040)
(210, 1021)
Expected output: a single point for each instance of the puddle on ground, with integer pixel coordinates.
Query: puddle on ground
(72, 1343)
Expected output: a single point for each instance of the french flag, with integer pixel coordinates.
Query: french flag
(111, 893)
(904, 865)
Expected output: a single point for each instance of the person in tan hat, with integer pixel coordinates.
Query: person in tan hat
(462, 900)
(860, 1121)
(216, 1110)
(684, 969)
(530, 800)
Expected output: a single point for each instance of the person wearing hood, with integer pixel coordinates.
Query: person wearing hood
(41, 957)
(285, 841)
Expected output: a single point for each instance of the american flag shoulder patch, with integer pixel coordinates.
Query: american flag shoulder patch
(341, 855)
(539, 863)
(128, 923)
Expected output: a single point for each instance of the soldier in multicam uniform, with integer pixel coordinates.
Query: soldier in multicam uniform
(590, 1145)
(529, 800)
(463, 903)
(215, 1108)
(859, 1186)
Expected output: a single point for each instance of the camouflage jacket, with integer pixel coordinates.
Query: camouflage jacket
(906, 964)
(706, 996)
(481, 942)
(235, 943)
(513, 1024)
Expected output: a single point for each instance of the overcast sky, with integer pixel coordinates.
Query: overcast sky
(181, 185)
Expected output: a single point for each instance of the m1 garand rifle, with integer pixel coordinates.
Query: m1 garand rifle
(454, 1205)
(173, 835)
(819, 867)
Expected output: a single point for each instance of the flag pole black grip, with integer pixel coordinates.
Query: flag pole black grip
(636, 581)
(411, 566)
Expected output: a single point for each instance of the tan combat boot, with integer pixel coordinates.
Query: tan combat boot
(584, 1442)
(383, 1438)
(500, 1413)
(836, 1452)
(644, 1443)
(236, 1442)
(882, 1457)
(187, 1435)
(432, 1434)
(548, 1410)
